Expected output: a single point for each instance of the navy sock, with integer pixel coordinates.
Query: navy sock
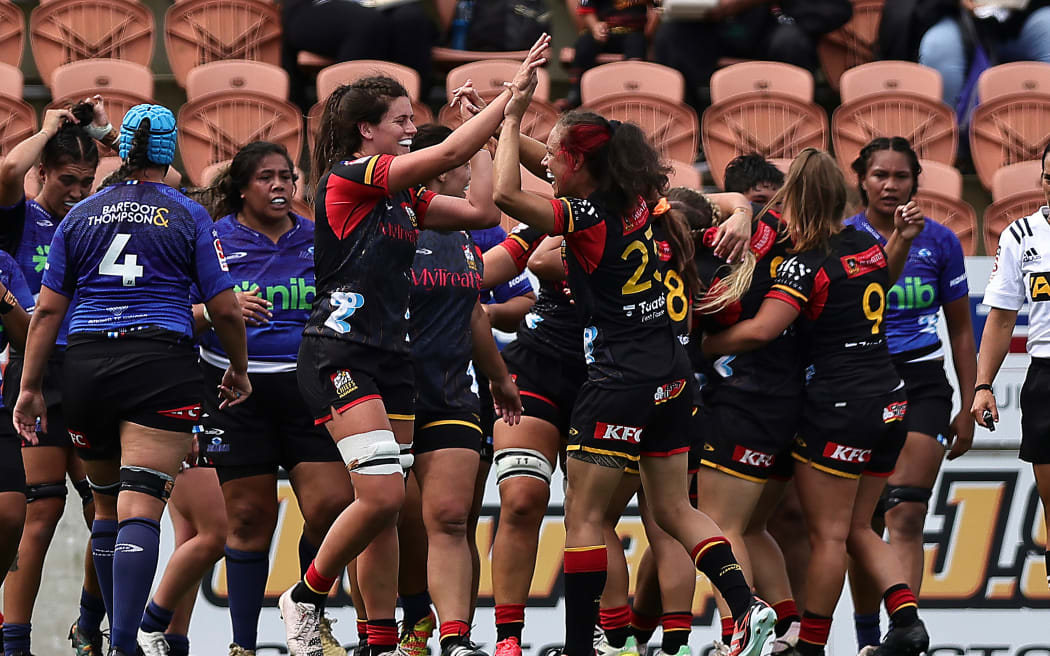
(415, 608)
(246, 573)
(16, 637)
(867, 626)
(134, 564)
(92, 612)
(178, 645)
(103, 538)
(307, 553)
(155, 619)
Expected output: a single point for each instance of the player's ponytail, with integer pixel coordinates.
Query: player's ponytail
(813, 198)
(137, 158)
(618, 157)
(72, 144)
(699, 215)
(683, 249)
(338, 135)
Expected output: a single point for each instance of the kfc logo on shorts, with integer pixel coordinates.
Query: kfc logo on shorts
(187, 412)
(894, 411)
(79, 440)
(604, 431)
(846, 453)
(747, 456)
(344, 383)
(668, 391)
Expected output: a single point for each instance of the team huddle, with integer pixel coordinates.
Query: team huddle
(696, 352)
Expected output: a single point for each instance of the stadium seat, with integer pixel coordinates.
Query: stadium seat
(940, 178)
(672, 127)
(332, 76)
(237, 75)
(773, 125)
(12, 33)
(928, 125)
(214, 127)
(853, 43)
(891, 76)
(200, 31)
(1017, 178)
(109, 165)
(117, 102)
(632, 77)
(954, 213)
(683, 174)
(537, 123)
(1007, 129)
(1004, 211)
(17, 122)
(11, 81)
(489, 75)
(761, 77)
(105, 76)
(1025, 76)
(65, 31)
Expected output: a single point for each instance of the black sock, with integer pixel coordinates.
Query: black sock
(509, 630)
(901, 605)
(585, 573)
(715, 559)
(302, 593)
(617, 637)
(676, 631)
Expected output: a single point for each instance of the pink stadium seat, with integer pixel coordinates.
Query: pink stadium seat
(953, 213)
(11, 81)
(12, 33)
(237, 75)
(332, 76)
(761, 77)
(853, 43)
(1007, 129)
(672, 127)
(17, 122)
(893, 76)
(940, 178)
(1015, 77)
(1017, 178)
(632, 77)
(1004, 211)
(105, 76)
(489, 75)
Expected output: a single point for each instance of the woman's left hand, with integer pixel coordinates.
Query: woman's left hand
(28, 409)
(101, 119)
(962, 428)
(506, 399)
(520, 99)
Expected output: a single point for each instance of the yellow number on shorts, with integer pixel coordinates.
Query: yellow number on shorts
(633, 286)
(677, 303)
(873, 311)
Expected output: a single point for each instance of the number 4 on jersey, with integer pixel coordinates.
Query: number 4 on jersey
(129, 270)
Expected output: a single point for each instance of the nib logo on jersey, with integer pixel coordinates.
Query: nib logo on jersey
(913, 294)
(296, 295)
(844, 453)
(604, 431)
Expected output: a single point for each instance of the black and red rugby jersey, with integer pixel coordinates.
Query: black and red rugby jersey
(364, 243)
(841, 294)
(775, 369)
(616, 273)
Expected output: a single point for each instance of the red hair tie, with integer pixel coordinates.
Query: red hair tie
(661, 207)
(710, 237)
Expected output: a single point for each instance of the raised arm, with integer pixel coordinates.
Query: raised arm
(26, 154)
(477, 210)
(510, 197)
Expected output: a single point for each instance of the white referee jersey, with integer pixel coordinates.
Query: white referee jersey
(1022, 274)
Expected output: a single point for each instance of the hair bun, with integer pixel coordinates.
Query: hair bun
(162, 132)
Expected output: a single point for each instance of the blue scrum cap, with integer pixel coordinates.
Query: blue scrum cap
(162, 132)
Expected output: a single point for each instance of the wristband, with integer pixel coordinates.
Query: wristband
(982, 386)
(207, 317)
(7, 303)
(98, 133)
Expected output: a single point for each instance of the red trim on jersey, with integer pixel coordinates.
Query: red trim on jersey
(341, 410)
(378, 172)
(540, 397)
(583, 11)
(784, 296)
(561, 213)
(421, 200)
(665, 454)
(519, 249)
(879, 474)
(347, 203)
(588, 245)
(819, 297)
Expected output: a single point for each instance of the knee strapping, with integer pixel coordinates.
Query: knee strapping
(375, 453)
(897, 495)
(109, 489)
(406, 458)
(147, 481)
(46, 491)
(83, 488)
(510, 463)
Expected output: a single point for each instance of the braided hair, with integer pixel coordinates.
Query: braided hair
(137, 159)
(896, 144)
(72, 143)
(363, 101)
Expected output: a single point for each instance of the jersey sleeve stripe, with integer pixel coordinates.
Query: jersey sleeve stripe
(1027, 227)
(794, 292)
(370, 170)
(1016, 233)
(780, 296)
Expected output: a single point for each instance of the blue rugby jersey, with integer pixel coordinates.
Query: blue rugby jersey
(518, 286)
(284, 274)
(12, 277)
(131, 253)
(446, 278)
(934, 274)
(26, 231)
